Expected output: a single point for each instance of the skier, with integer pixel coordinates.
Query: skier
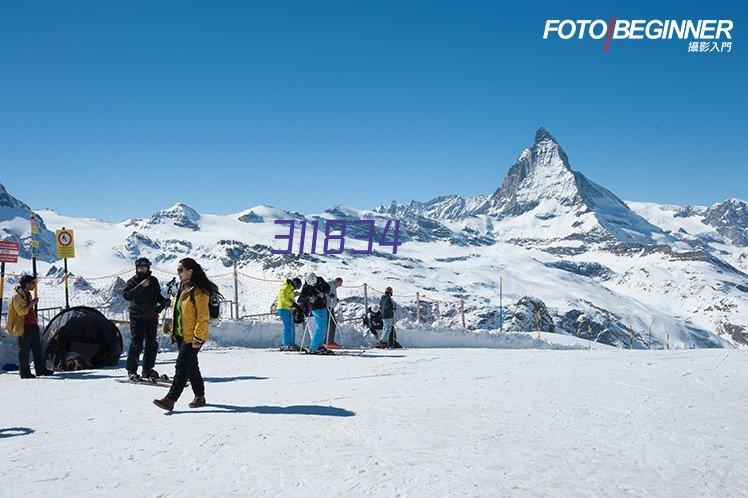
(285, 306)
(373, 320)
(387, 307)
(191, 317)
(23, 323)
(332, 324)
(146, 302)
(314, 293)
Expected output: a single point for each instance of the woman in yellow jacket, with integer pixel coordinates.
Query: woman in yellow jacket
(285, 306)
(190, 331)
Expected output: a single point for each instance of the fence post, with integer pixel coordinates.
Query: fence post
(366, 298)
(501, 304)
(2, 289)
(236, 293)
(418, 307)
(462, 312)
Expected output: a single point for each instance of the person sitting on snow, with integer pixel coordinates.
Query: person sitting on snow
(373, 320)
(286, 305)
(314, 293)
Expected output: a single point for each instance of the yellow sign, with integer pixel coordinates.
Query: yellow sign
(65, 243)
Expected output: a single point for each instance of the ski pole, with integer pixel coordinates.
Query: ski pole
(303, 338)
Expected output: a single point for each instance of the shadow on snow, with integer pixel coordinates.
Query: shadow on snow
(327, 411)
(15, 431)
(232, 379)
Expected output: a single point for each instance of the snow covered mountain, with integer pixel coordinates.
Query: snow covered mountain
(15, 225)
(575, 259)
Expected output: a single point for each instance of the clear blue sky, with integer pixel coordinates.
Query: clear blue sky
(118, 109)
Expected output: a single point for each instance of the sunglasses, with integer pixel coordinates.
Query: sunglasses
(181, 269)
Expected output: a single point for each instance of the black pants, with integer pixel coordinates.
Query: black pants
(331, 327)
(142, 330)
(187, 368)
(29, 341)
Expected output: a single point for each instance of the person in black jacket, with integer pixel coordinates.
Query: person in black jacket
(373, 320)
(387, 307)
(314, 293)
(146, 302)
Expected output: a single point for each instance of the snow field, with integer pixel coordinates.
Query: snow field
(418, 422)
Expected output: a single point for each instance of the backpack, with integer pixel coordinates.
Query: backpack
(214, 304)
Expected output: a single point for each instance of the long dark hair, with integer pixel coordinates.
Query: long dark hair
(199, 279)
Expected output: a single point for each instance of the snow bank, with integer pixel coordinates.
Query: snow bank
(263, 334)
(256, 334)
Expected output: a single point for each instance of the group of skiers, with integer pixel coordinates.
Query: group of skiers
(195, 301)
(318, 298)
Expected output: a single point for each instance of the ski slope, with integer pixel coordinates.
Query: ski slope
(418, 422)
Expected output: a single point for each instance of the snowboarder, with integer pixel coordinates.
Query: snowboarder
(191, 317)
(332, 323)
(23, 323)
(387, 307)
(146, 302)
(286, 305)
(314, 293)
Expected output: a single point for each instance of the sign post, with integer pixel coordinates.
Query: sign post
(34, 248)
(8, 254)
(65, 243)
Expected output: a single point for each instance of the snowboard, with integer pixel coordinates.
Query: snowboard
(338, 352)
(161, 382)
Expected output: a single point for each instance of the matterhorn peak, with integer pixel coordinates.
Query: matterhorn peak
(543, 135)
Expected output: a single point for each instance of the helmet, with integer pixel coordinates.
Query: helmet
(311, 278)
(388, 290)
(375, 308)
(295, 282)
(142, 262)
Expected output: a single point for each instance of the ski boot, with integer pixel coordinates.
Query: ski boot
(382, 345)
(333, 345)
(292, 347)
(319, 350)
(134, 377)
(151, 376)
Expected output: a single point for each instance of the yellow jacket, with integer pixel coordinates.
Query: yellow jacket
(19, 307)
(285, 297)
(195, 315)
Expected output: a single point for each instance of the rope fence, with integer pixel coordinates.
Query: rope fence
(245, 296)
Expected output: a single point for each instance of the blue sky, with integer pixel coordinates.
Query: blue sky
(118, 109)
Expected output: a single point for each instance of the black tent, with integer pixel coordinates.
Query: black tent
(81, 337)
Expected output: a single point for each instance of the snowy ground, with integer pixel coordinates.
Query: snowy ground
(422, 422)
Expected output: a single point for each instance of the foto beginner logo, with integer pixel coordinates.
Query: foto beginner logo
(704, 35)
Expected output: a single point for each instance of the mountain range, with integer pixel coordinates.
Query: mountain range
(574, 258)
